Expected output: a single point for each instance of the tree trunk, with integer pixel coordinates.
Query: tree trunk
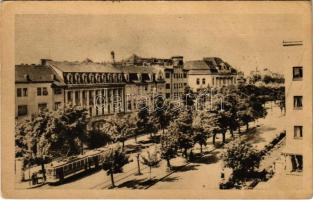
(150, 172)
(43, 170)
(247, 126)
(201, 148)
(231, 132)
(168, 163)
(239, 131)
(185, 152)
(138, 164)
(82, 147)
(123, 144)
(112, 178)
(224, 139)
(136, 138)
(214, 138)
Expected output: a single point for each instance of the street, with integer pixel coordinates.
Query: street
(205, 172)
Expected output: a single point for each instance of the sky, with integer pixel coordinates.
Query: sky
(246, 41)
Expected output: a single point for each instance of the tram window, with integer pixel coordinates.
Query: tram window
(70, 166)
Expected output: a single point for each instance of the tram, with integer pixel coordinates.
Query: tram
(57, 171)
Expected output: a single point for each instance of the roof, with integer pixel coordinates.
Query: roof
(139, 69)
(34, 73)
(209, 65)
(85, 66)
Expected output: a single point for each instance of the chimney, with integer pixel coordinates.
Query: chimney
(44, 61)
(113, 56)
(26, 77)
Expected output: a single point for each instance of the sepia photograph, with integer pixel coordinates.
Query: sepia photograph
(172, 96)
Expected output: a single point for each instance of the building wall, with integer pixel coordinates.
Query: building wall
(210, 80)
(298, 56)
(32, 99)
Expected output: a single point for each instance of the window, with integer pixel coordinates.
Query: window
(198, 81)
(57, 105)
(146, 87)
(42, 106)
(44, 91)
(57, 91)
(297, 163)
(297, 102)
(38, 91)
(25, 92)
(168, 95)
(168, 86)
(19, 92)
(129, 105)
(298, 130)
(203, 81)
(185, 75)
(167, 75)
(297, 73)
(22, 110)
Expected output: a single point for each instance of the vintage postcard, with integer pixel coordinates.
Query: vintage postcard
(208, 99)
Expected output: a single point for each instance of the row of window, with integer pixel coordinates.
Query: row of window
(179, 75)
(41, 91)
(22, 110)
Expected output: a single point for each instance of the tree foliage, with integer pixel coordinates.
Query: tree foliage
(113, 162)
(242, 158)
(151, 159)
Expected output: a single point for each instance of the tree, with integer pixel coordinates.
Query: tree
(188, 97)
(120, 127)
(142, 125)
(97, 138)
(242, 158)
(113, 163)
(201, 128)
(159, 114)
(52, 134)
(168, 147)
(182, 127)
(151, 159)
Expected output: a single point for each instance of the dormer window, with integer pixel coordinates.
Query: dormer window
(126, 76)
(104, 78)
(69, 78)
(77, 78)
(84, 77)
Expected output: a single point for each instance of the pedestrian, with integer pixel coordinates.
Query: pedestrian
(33, 179)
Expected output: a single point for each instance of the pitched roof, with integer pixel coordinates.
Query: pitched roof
(209, 65)
(139, 69)
(34, 73)
(85, 66)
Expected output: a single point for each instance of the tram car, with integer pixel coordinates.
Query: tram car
(57, 171)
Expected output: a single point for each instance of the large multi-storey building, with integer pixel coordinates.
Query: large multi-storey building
(173, 69)
(298, 94)
(37, 88)
(102, 88)
(210, 72)
(142, 85)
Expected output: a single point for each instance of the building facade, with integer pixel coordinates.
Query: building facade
(210, 72)
(172, 68)
(102, 88)
(36, 88)
(298, 88)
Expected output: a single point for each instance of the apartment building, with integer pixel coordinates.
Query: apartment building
(298, 92)
(210, 72)
(173, 69)
(36, 88)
